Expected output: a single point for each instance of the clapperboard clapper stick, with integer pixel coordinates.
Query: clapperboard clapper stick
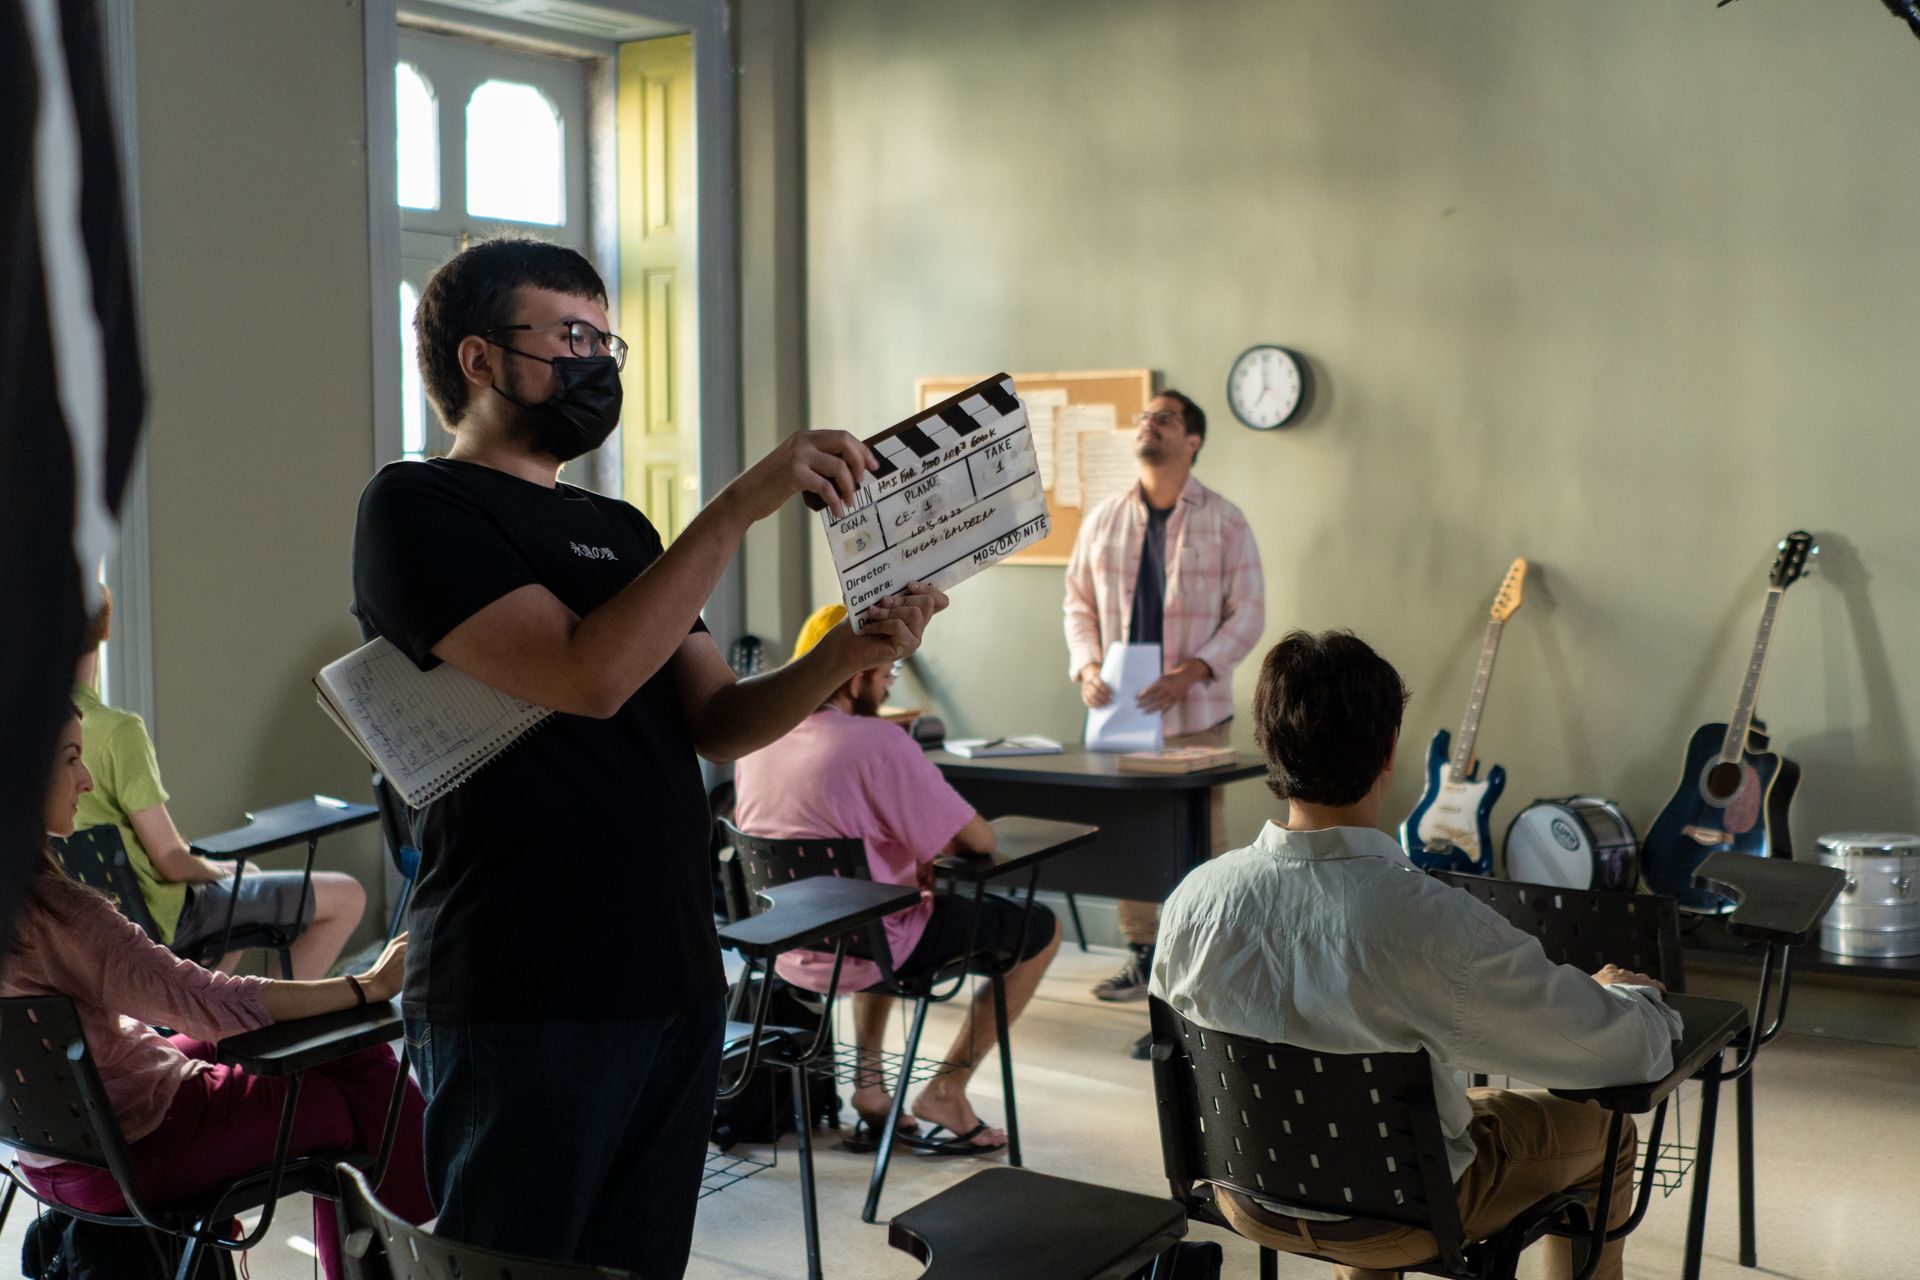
(956, 488)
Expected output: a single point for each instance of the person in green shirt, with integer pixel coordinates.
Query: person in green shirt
(188, 895)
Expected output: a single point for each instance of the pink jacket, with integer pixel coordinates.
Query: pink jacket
(1216, 599)
(120, 981)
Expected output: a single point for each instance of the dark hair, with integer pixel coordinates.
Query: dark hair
(473, 292)
(1192, 416)
(1325, 712)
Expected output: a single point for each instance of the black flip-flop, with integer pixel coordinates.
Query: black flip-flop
(960, 1144)
(866, 1133)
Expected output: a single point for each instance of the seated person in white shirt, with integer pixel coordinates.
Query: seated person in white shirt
(1322, 934)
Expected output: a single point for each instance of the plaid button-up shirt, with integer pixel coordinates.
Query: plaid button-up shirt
(1215, 599)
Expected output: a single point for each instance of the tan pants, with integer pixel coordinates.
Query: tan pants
(1530, 1145)
(1140, 921)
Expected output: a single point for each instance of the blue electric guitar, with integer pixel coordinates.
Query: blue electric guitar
(1449, 829)
(1734, 793)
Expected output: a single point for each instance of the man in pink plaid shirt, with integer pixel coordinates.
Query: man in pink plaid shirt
(1169, 562)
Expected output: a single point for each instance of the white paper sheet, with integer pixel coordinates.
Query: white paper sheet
(1042, 406)
(1121, 725)
(1107, 466)
(1069, 421)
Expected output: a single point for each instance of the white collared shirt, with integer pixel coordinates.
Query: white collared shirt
(1333, 940)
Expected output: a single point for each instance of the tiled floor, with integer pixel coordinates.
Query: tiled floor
(1838, 1134)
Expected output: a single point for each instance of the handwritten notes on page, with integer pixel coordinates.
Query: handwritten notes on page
(426, 731)
(958, 489)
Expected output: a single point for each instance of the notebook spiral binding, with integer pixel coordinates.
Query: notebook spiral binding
(468, 766)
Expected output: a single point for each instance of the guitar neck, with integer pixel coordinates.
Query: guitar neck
(1741, 721)
(1461, 763)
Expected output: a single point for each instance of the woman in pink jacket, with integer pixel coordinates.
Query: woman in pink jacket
(190, 1122)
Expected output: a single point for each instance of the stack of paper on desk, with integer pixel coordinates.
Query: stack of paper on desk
(1030, 745)
(1176, 760)
(957, 489)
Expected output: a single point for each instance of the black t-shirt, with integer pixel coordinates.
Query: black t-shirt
(567, 880)
(1150, 588)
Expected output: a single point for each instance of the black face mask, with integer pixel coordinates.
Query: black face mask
(582, 411)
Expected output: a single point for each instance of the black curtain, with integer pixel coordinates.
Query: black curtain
(41, 597)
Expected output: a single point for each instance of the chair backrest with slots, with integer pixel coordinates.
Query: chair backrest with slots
(379, 1246)
(1351, 1134)
(1590, 928)
(51, 1100)
(97, 858)
(767, 863)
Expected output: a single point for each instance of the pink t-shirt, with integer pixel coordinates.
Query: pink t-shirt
(120, 980)
(840, 775)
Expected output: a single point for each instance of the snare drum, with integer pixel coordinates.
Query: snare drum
(1580, 842)
(1878, 912)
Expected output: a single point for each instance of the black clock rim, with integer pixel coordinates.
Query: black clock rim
(1306, 386)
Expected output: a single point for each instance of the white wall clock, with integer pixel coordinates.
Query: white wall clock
(1269, 387)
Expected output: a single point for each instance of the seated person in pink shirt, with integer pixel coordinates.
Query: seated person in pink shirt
(191, 1123)
(845, 772)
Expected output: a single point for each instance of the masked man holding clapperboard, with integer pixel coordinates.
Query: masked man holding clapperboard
(599, 1084)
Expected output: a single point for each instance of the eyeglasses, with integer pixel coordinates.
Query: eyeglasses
(583, 339)
(1164, 419)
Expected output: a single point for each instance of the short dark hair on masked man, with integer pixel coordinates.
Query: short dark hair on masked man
(473, 292)
(1325, 712)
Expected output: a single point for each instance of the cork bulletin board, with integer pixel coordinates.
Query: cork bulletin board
(1083, 431)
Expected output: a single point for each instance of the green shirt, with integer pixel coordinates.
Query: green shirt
(126, 779)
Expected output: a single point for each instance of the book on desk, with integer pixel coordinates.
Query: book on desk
(1176, 760)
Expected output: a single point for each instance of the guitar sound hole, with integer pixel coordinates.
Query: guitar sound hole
(1722, 782)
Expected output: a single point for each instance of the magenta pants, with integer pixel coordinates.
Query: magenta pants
(223, 1122)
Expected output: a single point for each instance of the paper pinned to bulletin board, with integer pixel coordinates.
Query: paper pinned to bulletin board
(1082, 427)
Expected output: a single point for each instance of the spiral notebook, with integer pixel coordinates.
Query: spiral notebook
(425, 731)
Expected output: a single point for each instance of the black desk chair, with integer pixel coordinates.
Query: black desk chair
(1025, 843)
(276, 828)
(97, 858)
(815, 914)
(375, 1245)
(1359, 1135)
(1008, 1222)
(1778, 904)
(56, 1106)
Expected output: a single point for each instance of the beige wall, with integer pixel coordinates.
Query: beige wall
(1627, 288)
(253, 225)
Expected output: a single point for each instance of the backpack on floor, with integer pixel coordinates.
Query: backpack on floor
(58, 1247)
(765, 1110)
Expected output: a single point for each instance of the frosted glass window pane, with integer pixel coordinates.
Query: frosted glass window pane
(418, 121)
(413, 393)
(514, 164)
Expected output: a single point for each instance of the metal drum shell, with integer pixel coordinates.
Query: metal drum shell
(1616, 854)
(1878, 912)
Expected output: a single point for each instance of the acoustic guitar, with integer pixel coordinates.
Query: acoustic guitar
(1449, 829)
(1734, 794)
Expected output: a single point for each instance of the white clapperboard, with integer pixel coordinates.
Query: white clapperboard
(956, 489)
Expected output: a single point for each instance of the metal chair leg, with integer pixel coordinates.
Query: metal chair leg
(1743, 1121)
(1269, 1264)
(6, 1202)
(1079, 930)
(803, 1141)
(1702, 1173)
(1006, 1068)
(884, 1153)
